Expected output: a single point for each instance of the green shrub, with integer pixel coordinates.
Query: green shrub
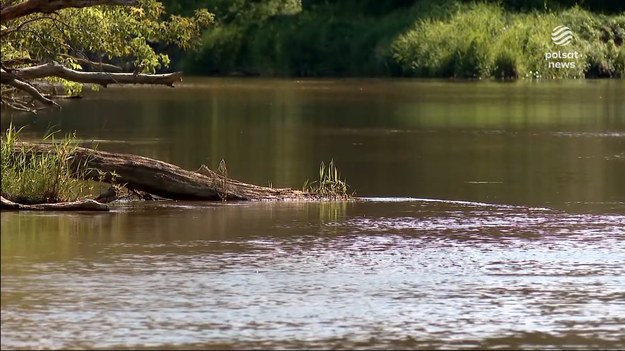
(505, 65)
(456, 47)
(219, 53)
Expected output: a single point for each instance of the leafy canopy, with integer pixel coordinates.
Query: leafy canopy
(115, 33)
(128, 37)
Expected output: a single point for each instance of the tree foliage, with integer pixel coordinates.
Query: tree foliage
(236, 11)
(87, 41)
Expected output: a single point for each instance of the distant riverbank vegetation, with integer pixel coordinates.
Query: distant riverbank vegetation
(410, 38)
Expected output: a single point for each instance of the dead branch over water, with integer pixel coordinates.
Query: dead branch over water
(80, 205)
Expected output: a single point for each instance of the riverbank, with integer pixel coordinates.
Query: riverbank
(444, 39)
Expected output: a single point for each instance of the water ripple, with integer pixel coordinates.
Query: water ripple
(427, 274)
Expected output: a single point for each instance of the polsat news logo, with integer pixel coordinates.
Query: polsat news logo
(562, 36)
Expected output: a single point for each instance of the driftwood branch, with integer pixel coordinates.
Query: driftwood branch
(102, 78)
(163, 179)
(48, 6)
(81, 205)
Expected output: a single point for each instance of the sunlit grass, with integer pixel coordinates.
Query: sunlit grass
(38, 178)
(485, 41)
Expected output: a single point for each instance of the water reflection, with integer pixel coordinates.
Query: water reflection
(558, 144)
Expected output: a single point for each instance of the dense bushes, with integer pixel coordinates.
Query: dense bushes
(483, 41)
(334, 39)
(419, 38)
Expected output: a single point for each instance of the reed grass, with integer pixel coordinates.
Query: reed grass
(329, 184)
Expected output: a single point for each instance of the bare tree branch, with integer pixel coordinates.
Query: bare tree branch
(48, 6)
(13, 104)
(101, 78)
(7, 31)
(14, 81)
(18, 61)
(96, 66)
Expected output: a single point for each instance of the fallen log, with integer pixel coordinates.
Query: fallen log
(81, 205)
(162, 179)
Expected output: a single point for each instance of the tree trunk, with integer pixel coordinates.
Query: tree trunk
(163, 179)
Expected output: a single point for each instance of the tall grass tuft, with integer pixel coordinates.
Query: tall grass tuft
(329, 184)
(38, 178)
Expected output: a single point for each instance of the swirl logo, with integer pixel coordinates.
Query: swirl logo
(561, 35)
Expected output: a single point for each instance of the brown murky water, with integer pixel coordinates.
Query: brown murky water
(494, 216)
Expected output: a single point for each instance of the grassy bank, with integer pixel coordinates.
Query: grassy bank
(426, 39)
(39, 179)
(484, 41)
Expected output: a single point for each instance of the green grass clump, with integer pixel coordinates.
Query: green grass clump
(329, 184)
(38, 178)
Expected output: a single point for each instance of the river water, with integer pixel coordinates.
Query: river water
(491, 215)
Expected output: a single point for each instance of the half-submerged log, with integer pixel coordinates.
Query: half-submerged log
(163, 179)
(81, 205)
